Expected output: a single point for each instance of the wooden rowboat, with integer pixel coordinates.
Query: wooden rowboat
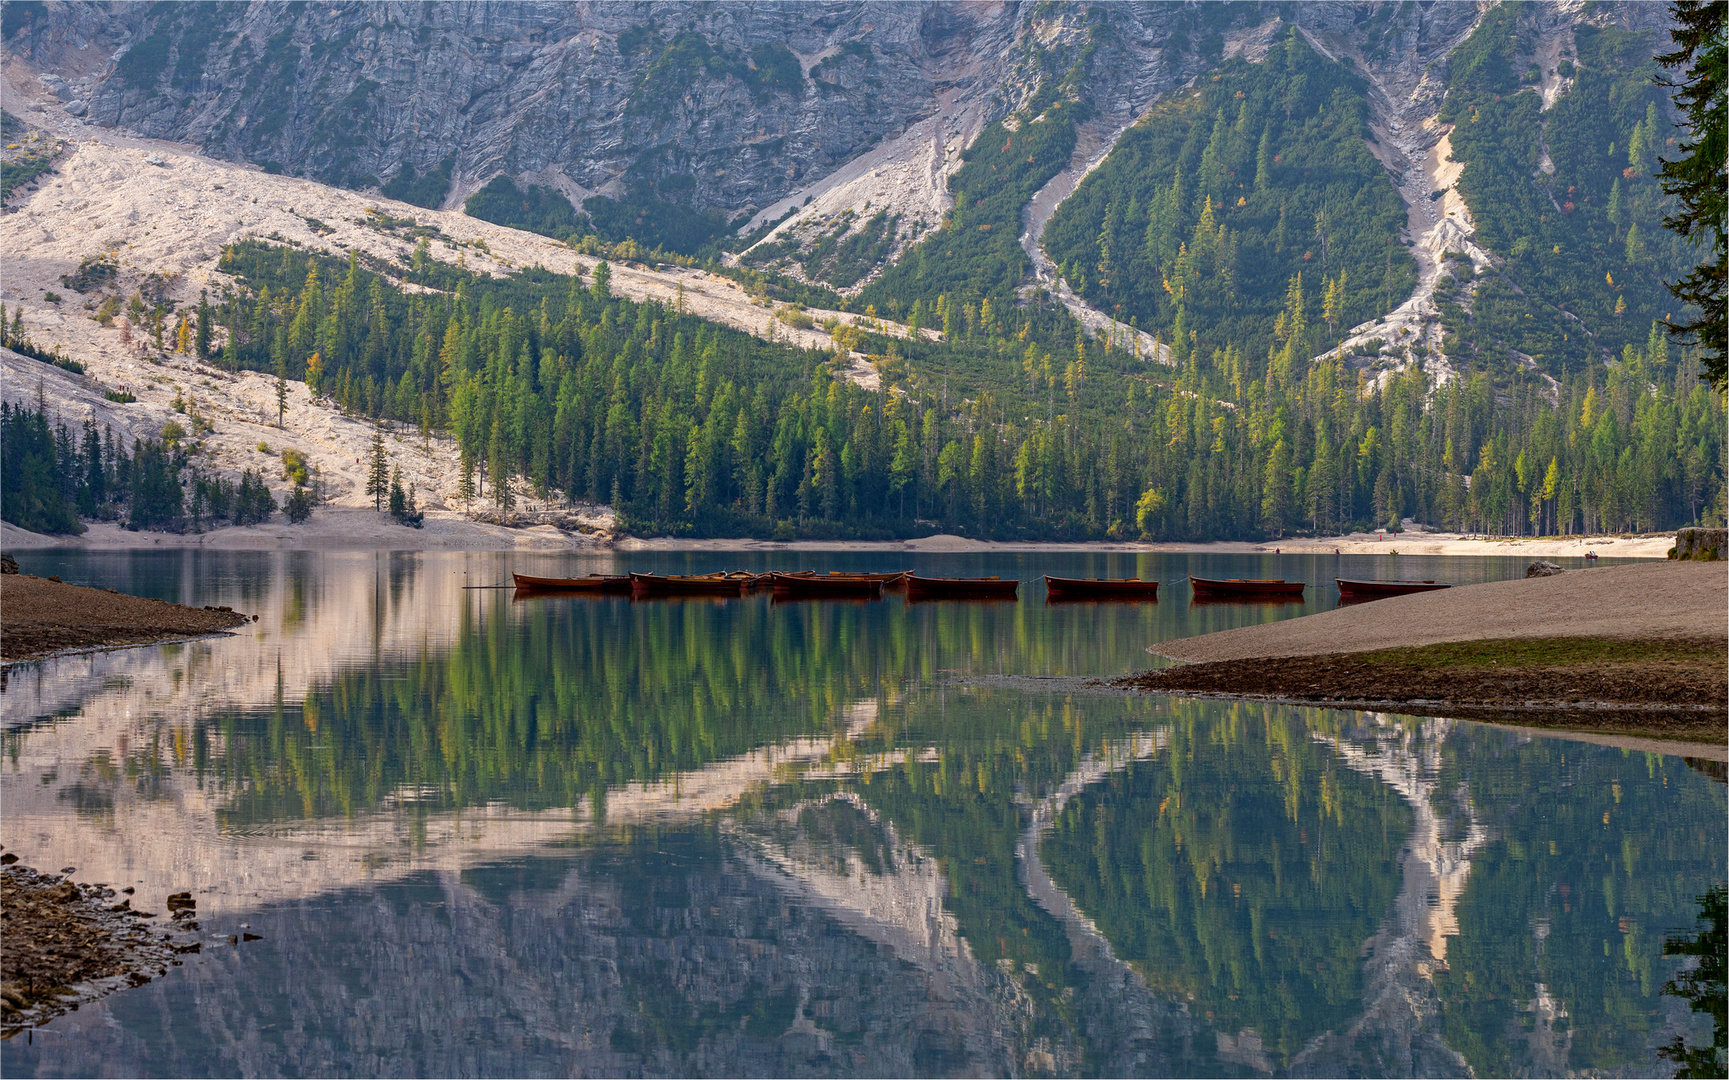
(891, 579)
(1354, 589)
(1062, 588)
(929, 588)
(593, 583)
(849, 585)
(684, 585)
(1245, 588)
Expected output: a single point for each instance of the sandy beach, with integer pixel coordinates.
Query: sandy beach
(1656, 602)
(1633, 649)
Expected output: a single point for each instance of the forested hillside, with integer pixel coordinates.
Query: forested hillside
(690, 427)
(1243, 220)
(1227, 197)
(1568, 198)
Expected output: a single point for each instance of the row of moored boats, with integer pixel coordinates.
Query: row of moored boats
(838, 583)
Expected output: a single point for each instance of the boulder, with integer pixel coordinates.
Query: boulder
(1542, 569)
(1705, 545)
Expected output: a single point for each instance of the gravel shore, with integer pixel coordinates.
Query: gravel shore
(68, 943)
(40, 616)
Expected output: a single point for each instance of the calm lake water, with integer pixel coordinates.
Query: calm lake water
(566, 835)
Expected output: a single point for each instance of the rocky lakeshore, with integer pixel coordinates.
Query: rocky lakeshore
(66, 943)
(44, 616)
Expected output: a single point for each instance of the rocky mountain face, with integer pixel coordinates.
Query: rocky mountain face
(841, 120)
(720, 105)
(724, 106)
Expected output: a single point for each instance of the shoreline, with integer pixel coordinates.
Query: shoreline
(61, 620)
(1636, 650)
(1628, 689)
(350, 529)
(68, 944)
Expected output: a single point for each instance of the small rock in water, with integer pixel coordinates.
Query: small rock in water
(8, 859)
(128, 889)
(1540, 568)
(232, 939)
(68, 869)
(251, 937)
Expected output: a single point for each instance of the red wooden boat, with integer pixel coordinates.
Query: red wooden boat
(834, 585)
(1063, 588)
(593, 583)
(1245, 588)
(929, 588)
(1354, 589)
(891, 579)
(684, 585)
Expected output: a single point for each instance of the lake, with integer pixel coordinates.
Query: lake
(487, 835)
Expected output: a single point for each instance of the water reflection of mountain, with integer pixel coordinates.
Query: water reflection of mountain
(1592, 856)
(659, 955)
(1241, 869)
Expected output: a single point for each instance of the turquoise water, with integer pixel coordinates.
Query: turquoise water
(484, 835)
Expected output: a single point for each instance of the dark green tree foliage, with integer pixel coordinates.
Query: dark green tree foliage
(1009, 427)
(158, 497)
(1215, 201)
(1696, 176)
(656, 214)
(1581, 232)
(378, 469)
(54, 474)
(429, 190)
(534, 209)
(1704, 987)
(679, 66)
(24, 165)
(1250, 899)
(34, 484)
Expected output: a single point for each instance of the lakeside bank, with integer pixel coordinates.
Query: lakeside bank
(1631, 649)
(42, 617)
(342, 528)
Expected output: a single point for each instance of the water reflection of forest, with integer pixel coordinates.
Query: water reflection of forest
(1243, 867)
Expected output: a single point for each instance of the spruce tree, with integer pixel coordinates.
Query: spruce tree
(1697, 177)
(206, 325)
(378, 473)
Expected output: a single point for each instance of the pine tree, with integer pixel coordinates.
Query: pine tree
(1697, 177)
(206, 325)
(281, 392)
(378, 473)
(465, 480)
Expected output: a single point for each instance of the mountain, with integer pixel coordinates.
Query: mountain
(1117, 270)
